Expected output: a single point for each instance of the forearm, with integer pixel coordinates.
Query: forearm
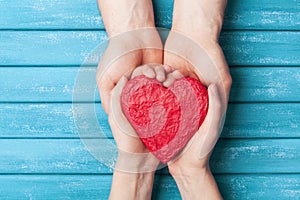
(199, 18)
(198, 184)
(124, 15)
(131, 185)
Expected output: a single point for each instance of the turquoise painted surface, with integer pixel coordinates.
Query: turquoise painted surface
(55, 120)
(47, 84)
(78, 14)
(78, 187)
(242, 48)
(58, 155)
(42, 45)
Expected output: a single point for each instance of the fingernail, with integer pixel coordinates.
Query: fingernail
(167, 67)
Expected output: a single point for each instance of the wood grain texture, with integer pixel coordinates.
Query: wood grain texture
(243, 48)
(48, 14)
(248, 187)
(56, 120)
(69, 156)
(56, 84)
(279, 84)
(78, 14)
(48, 48)
(42, 45)
(73, 187)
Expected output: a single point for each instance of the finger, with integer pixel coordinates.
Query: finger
(160, 73)
(105, 86)
(146, 70)
(210, 131)
(116, 110)
(171, 77)
(137, 72)
(167, 68)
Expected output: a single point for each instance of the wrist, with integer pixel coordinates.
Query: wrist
(130, 179)
(131, 24)
(131, 186)
(136, 163)
(188, 172)
(120, 16)
(197, 184)
(198, 19)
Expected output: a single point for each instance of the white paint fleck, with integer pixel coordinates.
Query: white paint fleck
(294, 125)
(37, 106)
(43, 89)
(66, 89)
(24, 167)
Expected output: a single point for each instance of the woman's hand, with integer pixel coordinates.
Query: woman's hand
(124, 53)
(135, 164)
(133, 41)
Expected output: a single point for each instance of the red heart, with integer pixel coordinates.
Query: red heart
(164, 118)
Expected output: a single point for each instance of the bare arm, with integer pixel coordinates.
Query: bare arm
(120, 16)
(191, 170)
(196, 184)
(131, 186)
(201, 21)
(133, 41)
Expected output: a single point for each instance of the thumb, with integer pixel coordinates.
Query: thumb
(105, 86)
(116, 110)
(211, 128)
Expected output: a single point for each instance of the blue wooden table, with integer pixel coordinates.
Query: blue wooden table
(42, 46)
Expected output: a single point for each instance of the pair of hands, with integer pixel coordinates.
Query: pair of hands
(123, 59)
(192, 49)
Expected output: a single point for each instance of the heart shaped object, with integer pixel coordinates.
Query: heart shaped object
(164, 118)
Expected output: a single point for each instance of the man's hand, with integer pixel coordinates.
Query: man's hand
(192, 48)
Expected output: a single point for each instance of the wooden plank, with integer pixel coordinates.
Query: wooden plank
(265, 84)
(70, 156)
(262, 120)
(46, 120)
(232, 187)
(56, 84)
(48, 47)
(261, 48)
(56, 120)
(77, 14)
(48, 14)
(55, 187)
(248, 187)
(242, 48)
(260, 155)
(39, 84)
(263, 15)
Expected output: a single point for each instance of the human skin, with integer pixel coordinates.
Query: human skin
(200, 22)
(131, 179)
(133, 41)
